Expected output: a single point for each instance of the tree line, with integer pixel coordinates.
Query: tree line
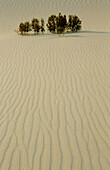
(56, 24)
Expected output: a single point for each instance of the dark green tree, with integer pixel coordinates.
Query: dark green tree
(27, 26)
(51, 25)
(61, 23)
(35, 25)
(74, 23)
(22, 28)
(42, 25)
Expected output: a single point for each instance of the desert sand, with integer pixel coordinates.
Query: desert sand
(55, 91)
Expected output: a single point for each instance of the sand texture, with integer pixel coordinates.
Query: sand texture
(55, 91)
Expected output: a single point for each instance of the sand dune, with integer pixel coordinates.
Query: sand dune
(55, 91)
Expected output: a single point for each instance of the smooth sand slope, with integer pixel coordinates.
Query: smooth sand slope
(55, 91)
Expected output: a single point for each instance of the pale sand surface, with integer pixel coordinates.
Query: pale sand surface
(55, 91)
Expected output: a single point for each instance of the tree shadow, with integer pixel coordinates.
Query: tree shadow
(94, 32)
(66, 34)
(83, 33)
(72, 36)
(56, 35)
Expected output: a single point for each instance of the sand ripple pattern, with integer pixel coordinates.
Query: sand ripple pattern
(55, 102)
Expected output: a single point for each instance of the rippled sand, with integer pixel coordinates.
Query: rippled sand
(55, 92)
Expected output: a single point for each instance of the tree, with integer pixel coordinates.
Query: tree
(35, 25)
(51, 25)
(74, 23)
(27, 27)
(42, 25)
(22, 28)
(69, 25)
(61, 23)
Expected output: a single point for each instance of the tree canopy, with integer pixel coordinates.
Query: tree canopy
(51, 25)
(35, 25)
(74, 23)
(27, 27)
(61, 23)
(24, 27)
